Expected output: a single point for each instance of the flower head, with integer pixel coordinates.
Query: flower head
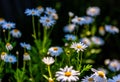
(86, 41)
(32, 12)
(3, 55)
(111, 29)
(40, 9)
(9, 46)
(88, 20)
(25, 45)
(48, 60)
(50, 11)
(2, 21)
(79, 46)
(97, 40)
(115, 79)
(26, 56)
(93, 11)
(10, 58)
(8, 25)
(15, 33)
(78, 20)
(67, 74)
(47, 21)
(70, 37)
(88, 79)
(71, 14)
(101, 30)
(55, 51)
(69, 28)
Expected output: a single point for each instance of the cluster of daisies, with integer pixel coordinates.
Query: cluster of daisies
(47, 17)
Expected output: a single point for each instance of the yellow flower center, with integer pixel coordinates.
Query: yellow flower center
(26, 54)
(101, 73)
(39, 7)
(15, 30)
(3, 53)
(79, 46)
(8, 44)
(55, 49)
(67, 73)
(90, 80)
(93, 10)
(1, 19)
(101, 28)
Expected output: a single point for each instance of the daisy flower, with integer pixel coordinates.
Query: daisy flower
(48, 60)
(25, 45)
(97, 40)
(86, 41)
(93, 11)
(101, 30)
(55, 51)
(111, 29)
(3, 55)
(69, 28)
(67, 74)
(71, 14)
(78, 46)
(88, 20)
(8, 25)
(10, 58)
(47, 21)
(40, 9)
(99, 76)
(2, 21)
(15, 33)
(8, 46)
(26, 56)
(88, 79)
(32, 12)
(49, 11)
(114, 65)
(78, 20)
(115, 79)
(70, 37)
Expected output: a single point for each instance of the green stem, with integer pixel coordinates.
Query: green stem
(30, 71)
(39, 30)
(9, 35)
(33, 23)
(80, 61)
(44, 39)
(50, 75)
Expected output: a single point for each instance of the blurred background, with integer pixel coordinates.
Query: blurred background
(13, 10)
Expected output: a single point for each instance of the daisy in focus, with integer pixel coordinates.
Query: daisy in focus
(93, 11)
(48, 60)
(55, 51)
(78, 46)
(67, 74)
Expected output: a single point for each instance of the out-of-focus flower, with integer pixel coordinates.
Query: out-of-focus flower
(67, 74)
(15, 33)
(78, 20)
(47, 21)
(3, 55)
(93, 11)
(70, 37)
(86, 41)
(48, 60)
(88, 79)
(55, 51)
(78, 46)
(26, 56)
(69, 28)
(115, 79)
(54, 16)
(10, 58)
(2, 20)
(111, 29)
(101, 30)
(107, 61)
(103, 69)
(88, 20)
(97, 40)
(71, 14)
(8, 25)
(99, 76)
(40, 9)
(114, 65)
(50, 11)
(32, 12)
(25, 45)
(9, 46)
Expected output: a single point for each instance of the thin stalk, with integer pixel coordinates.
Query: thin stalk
(50, 75)
(33, 23)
